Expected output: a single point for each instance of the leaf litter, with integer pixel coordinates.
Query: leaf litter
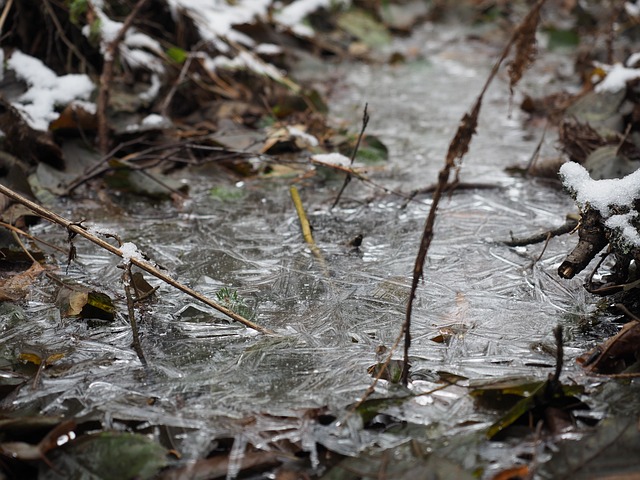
(330, 319)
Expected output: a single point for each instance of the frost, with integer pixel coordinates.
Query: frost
(607, 196)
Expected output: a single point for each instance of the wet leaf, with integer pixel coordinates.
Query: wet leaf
(606, 162)
(616, 354)
(141, 286)
(562, 39)
(107, 455)
(398, 466)
(86, 304)
(525, 397)
(18, 285)
(143, 182)
(362, 25)
(74, 117)
(609, 452)
(369, 409)
(57, 436)
(391, 372)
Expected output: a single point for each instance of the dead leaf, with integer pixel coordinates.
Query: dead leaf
(19, 285)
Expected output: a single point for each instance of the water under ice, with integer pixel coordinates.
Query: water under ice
(205, 375)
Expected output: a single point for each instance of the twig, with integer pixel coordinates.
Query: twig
(5, 13)
(457, 149)
(304, 225)
(107, 76)
(70, 45)
(31, 237)
(147, 267)
(126, 280)
(174, 88)
(365, 121)
(567, 227)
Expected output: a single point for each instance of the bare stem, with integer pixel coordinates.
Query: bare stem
(147, 267)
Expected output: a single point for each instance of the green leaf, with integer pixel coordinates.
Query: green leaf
(177, 54)
(364, 27)
(107, 456)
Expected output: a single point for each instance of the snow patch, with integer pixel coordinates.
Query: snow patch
(308, 139)
(130, 251)
(46, 90)
(617, 77)
(612, 198)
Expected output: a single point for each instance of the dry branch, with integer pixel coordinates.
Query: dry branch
(147, 267)
(347, 180)
(107, 76)
(457, 149)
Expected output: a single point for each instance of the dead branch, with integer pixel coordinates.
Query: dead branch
(347, 180)
(592, 240)
(107, 76)
(568, 226)
(75, 228)
(457, 149)
(137, 346)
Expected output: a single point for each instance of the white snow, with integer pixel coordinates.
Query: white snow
(295, 12)
(137, 49)
(242, 60)
(129, 250)
(332, 159)
(46, 90)
(216, 18)
(617, 77)
(307, 139)
(153, 120)
(604, 195)
(632, 9)
(267, 49)
(633, 59)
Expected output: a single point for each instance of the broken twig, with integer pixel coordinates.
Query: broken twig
(75, 228)
(365, 122)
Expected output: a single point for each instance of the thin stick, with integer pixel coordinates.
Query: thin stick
(347, 180)
(5, 13)
(457, 149)
(31, 237)
(126, 279)
(304, 225)
(70, 45)
(107, 76)
(147, 267)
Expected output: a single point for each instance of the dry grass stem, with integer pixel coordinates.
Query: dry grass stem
(146, 266)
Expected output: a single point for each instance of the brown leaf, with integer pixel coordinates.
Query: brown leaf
(18, 285)
(614, 355)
